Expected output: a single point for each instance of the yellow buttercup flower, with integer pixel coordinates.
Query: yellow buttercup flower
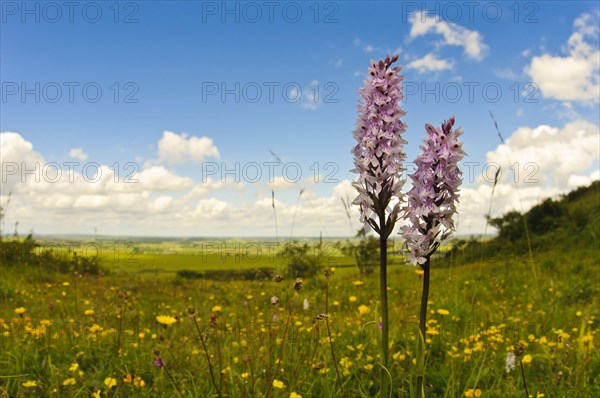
(74, 366)
(278, 384)
(443, 312)
(399, 357)
(139, 382)
(30, 384)
(473, 393)
(527, 359)
(20, 310)
(363, 309)
(294, 395)
(69, 382)
(110, 382)
(165, 319)
(352, 299)
(216, 308)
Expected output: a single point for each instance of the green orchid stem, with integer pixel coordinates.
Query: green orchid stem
(423, 321)
(523, 376)
(385, 387)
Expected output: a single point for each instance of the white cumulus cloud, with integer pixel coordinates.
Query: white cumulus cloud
(575, 76)
(179, 148)
(430, 63)
(549, 154)
(78, 153)
(545, 161)
(453, 34)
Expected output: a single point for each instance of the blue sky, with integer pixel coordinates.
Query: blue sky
(161, 58)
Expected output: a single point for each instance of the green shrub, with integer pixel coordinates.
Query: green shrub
(300, 263)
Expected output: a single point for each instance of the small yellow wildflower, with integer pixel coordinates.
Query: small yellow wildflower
(96, 394)
(443, 312)
(278, 384)
(165, 319)
(110, 382)
(294, 395)
(368, 366)
(69, 382)
(363, 309)
(245, 375)
(420, 272)
(527, 359)
(473, 393)
(20, 310)
(30, 384)
(352, 299)
(358, 283)
(74, 366)
(139, 382)
(127, 379)
(216, 308)
(89, 312)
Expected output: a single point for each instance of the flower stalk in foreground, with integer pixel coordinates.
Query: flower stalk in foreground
(431, 203)
(160, 363)
(192, 313)
(519, 351)
(378, 158)
(275, 301)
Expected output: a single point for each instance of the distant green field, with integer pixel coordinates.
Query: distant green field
(150, 256)
(170, 257)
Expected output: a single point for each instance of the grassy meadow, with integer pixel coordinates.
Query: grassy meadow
(140, 327)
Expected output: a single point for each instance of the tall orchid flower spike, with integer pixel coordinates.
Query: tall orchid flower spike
(378, 157)
(429, 210)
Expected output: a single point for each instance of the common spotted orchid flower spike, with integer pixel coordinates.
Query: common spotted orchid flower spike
(378, 155)
(431, 202)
